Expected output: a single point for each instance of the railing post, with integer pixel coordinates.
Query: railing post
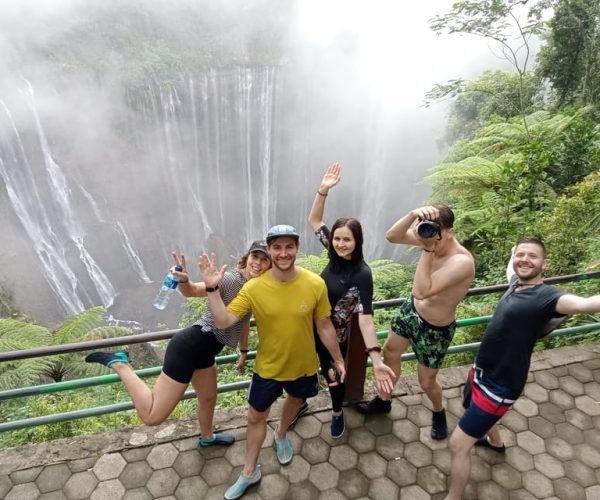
(356, 364)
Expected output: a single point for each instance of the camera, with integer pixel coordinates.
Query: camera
(429, 229)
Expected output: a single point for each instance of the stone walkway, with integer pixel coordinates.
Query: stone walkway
(552, 436)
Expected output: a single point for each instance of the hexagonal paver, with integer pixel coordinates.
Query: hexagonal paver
(80, 485)
(402, 472)
(580, 473)
(442, 460)
(559, 448)
(353, 419)
(549, 466)
(23, 491)
(592, 492)
(189, 463)
(569, 433)
(514, 421)
(163, 482)
(216, 471)
(353, 484)
(136, 454)
(480, 471)
(414, 492)
(308, 427)
(587, 405)
(162, 456)
(109, 466)
(382, 487)
(324, 476)
(562, 399)
(108, 489)
(25, 475)
(343, 457)
(592, 389)
(537, 484)
(135, 475)
(588, 455)
(418, 454)
(431, 479)
(389, 447)
(361, 440)
(271, 486)
(571, 386)
(552, 413)
(526, 407)
(536, 393)
(53, 477)
(546, 380)
(406, 431)
(372, 465)
(315, 450)
(579, 419)
(507, 477)
(379, 425)
(235, 454)
(490, 489)
(302, 491)
(419, 415)
(530, 442)
(137, 494)
(297, 470)
(581, 373)
(540, 426)
(565, 488)
(191, 487)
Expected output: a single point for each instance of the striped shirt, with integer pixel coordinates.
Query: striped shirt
(229, 287)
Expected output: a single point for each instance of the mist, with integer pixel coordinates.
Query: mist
(134, 128)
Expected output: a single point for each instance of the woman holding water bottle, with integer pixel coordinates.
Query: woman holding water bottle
(190, 355)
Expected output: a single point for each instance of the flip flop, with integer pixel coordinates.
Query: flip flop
(486, 444)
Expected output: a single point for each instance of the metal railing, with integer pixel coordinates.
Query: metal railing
(154, 371)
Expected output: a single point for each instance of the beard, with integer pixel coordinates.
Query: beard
(284, 265)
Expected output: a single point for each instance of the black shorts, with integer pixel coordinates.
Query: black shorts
(265, 391)
(189, 350)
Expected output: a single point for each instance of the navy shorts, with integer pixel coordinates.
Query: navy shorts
(189, 350)
(265, 391)
(485, 404)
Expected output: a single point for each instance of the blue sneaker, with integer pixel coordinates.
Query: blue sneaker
(108, 358)
(220, 439)
(237, 489)
(283, 449)
(338, 426)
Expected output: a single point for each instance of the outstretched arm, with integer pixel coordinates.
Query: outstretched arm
(186, 287)
(330, 179)
(212, 277)
(402, 231)
(327, 335)
(510, 270)
(573, 304)
(384, 375)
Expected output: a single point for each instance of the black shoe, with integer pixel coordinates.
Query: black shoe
(439, 426)
(108, 358)
(338, 426)
(303, 409)
(376, 405)
(484, 442)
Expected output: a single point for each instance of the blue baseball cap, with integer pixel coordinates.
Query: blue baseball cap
(282, 230)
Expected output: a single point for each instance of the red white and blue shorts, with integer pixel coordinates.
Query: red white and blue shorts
(485, 402)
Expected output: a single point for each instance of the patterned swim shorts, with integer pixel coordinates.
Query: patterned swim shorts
(429, 342)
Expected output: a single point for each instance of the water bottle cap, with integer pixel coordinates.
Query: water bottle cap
(178, 268)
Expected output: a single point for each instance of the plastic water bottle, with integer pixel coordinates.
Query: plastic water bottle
(167, 288)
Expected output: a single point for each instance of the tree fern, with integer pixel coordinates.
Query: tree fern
(76, 327)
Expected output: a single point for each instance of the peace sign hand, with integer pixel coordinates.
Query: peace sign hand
(182, 276)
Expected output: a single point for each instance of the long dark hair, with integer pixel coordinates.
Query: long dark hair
(357, 255)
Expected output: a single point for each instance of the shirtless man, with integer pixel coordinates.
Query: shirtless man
(427, 319)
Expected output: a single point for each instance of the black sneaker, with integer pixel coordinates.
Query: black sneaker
(376, 405)
(337, 426)
(303, 410)
(439, 426)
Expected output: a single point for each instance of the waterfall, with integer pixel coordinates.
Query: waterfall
(132, 253)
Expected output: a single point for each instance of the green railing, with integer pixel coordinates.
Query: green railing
(220, 360)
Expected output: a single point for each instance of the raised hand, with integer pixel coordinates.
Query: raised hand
(426, 213)
(211, 275)
(182, 275)
(331, 178)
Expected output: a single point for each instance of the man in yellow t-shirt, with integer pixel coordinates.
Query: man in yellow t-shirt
(284, 301)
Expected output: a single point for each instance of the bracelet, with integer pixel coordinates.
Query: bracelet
(428, 251)
(375, 348)
(212, 288)
(243, 351)
(322, 194)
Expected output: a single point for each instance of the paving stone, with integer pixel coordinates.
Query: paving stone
(427, 440)
(537, 484)
(406, 431)
(379, 425)
(80, 485)
(372, 465)
(26, 491)
(109, 466)
(419, 415)
(569, 433)
(353, 483)
(592, 389)
(592, 437)
(297, 470)
(302, 491)
(490, 489)
(536, 393)
(455, 407)
(189, 463)
(521, 495)
(139, 494)
(402, 472)
(514, 421)
(389, 446)
(272, 486)
(541, 427)
(25, 475)
(5, 485)
(361, 440)
(559, 448)
(186, 444)
(581, 373)
(162, 456)
(559, 371)
(53, 477)
(135, 475)
(480, 471)
(163, 482)
(549, 466)
(562, 399)
(82, 464)
(191, 488)
(588, 455)
(383, 488)
(218, 492)
(571, 386)
(592, 493)
(353, 419)
(414, 492)
(333, 494)
(343, 458)
(547, 380)
(579, 473)
(507, 477)
(526, 407)
(399, 410)
(442, 460)
(136, 454)
(235, 454)
(431, 479)
(108, 489)
(588, 405)
(579, 419)
(530, 442)
(418, 454)
(412, 400)
(552, 413)
(216, 471)
(268, 461)
(326, 436)
(315, 450)
(309, 427)
(324, 476)
(53, 495)
(565, 488)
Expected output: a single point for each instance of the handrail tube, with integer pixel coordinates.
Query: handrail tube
(167, 334)
(102, 410)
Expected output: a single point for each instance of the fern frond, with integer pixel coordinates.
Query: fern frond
(76, 327)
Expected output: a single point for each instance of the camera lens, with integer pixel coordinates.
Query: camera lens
(428, 229)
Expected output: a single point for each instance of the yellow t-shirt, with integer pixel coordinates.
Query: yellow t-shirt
(284, 313)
